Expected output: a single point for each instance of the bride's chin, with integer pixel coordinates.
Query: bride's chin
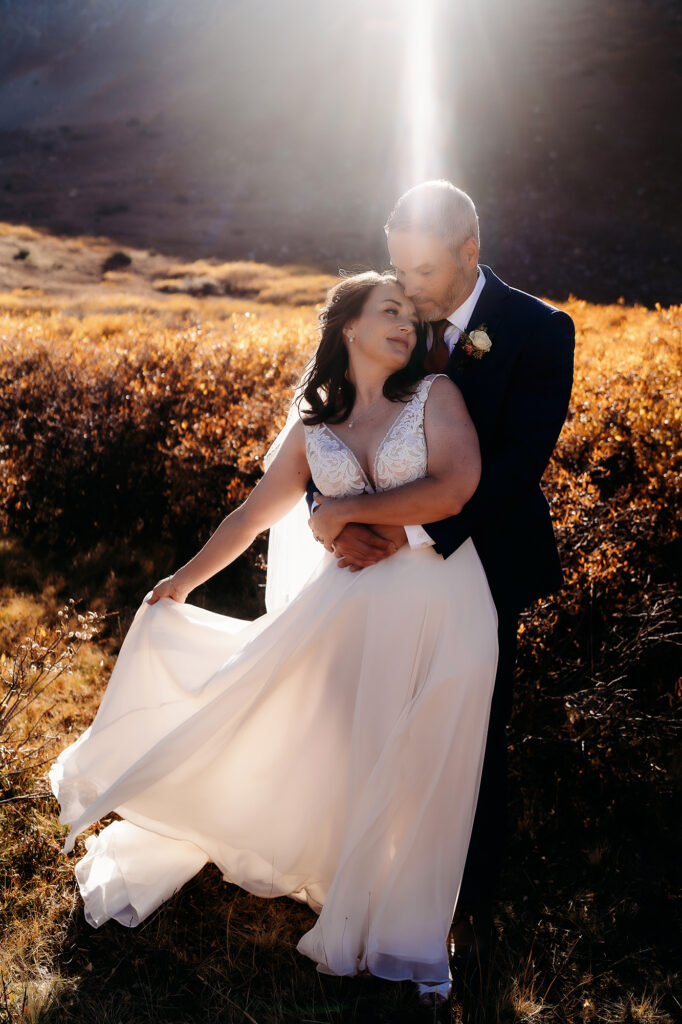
(391, 363)
(397, 363)
(390, 370)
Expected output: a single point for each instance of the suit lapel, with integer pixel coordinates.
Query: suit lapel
(494, 292)
(487, 311)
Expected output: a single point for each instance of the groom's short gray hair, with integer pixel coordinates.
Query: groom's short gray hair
(439, 208)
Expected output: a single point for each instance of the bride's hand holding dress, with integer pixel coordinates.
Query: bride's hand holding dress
(170, 587)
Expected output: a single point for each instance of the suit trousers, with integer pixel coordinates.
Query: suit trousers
(488, 837)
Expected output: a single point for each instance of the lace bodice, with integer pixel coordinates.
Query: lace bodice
(400, 457)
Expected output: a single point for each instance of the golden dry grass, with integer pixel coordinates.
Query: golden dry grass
(296, 286)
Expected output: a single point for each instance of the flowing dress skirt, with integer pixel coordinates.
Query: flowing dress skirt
(330, 751)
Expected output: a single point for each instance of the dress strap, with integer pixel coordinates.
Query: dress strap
(424, 386)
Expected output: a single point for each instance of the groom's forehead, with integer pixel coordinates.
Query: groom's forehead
(411, 249)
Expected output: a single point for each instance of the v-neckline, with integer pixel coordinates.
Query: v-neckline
(382, 442)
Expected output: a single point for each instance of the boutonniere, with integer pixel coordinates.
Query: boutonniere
(475, 344)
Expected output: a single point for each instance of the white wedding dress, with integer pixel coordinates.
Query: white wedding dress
(330, 751)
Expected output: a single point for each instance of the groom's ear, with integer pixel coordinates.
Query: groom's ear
(469, 252)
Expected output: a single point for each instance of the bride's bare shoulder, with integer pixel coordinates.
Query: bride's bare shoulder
(297, 432)
(288, 445)
(445, 410)
(442, 391)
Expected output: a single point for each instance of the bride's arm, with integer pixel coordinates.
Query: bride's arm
(278, 490)
(453, 472)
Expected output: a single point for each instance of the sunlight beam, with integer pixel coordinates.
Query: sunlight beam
(420, 100)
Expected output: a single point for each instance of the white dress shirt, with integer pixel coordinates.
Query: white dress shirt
(417, 537)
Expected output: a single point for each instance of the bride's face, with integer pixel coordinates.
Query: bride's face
(386, 330)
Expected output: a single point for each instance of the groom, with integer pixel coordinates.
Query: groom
(514, 367)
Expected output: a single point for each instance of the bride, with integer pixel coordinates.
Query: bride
(331, 749)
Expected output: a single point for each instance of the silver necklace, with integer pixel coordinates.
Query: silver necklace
(358, 415)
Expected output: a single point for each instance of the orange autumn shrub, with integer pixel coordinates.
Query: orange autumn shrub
(117, 425)
(112, 423)
(615, 481)
(596, 726)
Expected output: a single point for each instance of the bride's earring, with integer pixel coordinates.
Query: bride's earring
(351, 338)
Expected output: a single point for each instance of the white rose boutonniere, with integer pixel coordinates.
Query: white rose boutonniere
(481, 341)
(475, 344)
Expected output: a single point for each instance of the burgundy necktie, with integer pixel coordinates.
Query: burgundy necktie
(437, 357)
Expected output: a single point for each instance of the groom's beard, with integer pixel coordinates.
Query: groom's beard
(440, 307)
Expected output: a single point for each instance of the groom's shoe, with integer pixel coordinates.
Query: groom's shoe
(468, 939)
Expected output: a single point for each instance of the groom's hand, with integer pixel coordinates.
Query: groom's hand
(358, 546)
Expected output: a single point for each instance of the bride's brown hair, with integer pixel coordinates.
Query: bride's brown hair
(328, 394)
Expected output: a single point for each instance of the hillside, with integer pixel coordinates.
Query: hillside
(280, 133)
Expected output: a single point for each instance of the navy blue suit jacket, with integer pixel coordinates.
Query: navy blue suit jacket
(517, 395)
